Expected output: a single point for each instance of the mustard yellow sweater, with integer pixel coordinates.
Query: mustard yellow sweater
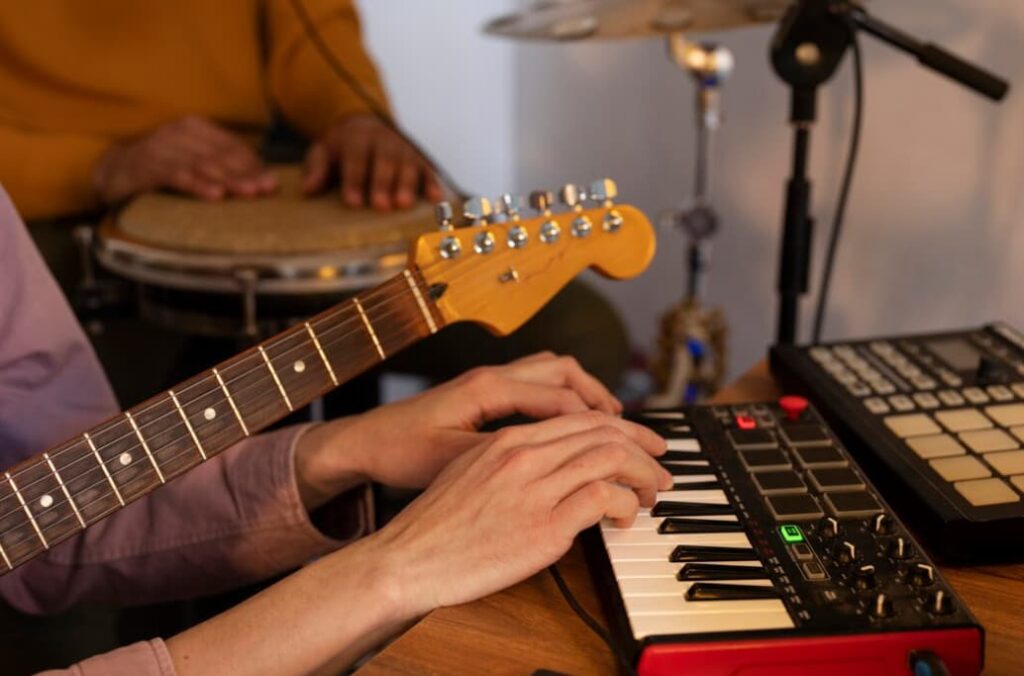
(79, 75)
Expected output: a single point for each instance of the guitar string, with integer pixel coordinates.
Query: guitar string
(269, 396)
(379, 292)
(381, 299)
(272, 397)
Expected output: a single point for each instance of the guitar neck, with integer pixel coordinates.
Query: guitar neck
(50, 497)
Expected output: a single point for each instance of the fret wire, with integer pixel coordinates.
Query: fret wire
(103, 466)
(188, 425)
(277, 380)
(369, 328)
(64, 488)
(320, 350)
(145, 447)
(231, 401)
(17, 493)
(419, 300)
(6, 560)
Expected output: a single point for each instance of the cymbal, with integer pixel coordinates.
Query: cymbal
(601, 19)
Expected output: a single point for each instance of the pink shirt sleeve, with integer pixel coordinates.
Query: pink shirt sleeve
(234, 519)
(146, 658)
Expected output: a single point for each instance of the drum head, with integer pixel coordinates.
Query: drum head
(290, 243)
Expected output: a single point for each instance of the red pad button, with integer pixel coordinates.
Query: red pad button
(793, 406)
(745, 422)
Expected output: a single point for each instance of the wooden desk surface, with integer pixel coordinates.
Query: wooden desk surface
(529, 626)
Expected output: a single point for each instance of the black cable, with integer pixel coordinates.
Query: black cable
(375, 106)
(593, 624)
(844, 192)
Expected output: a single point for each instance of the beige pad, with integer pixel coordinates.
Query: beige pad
(987, 492)
(912, 425)
(1008, 415)
(935, 446)
(963, 419)
(986, 441)
(960, 468)
(1007, 462)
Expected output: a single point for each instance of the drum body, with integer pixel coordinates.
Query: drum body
(248, 268)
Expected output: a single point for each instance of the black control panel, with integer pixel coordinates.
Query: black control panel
(937, 420)
(844, 559)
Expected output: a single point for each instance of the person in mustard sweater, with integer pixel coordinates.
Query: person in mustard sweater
(110, 98)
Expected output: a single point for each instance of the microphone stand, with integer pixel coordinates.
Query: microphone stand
(806, 50)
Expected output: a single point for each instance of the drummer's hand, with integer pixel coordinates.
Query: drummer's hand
(407, 443)
(375, 166)
(191, 155)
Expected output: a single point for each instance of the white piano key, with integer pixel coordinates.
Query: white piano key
(661, 552)
(688, 463)
(644, 537)
(669, 586)
(686, 445)
(668, 604)
(694, 478)
(773, 616)
(709, 495)
(627, 570)
(664, 415)
(646, 522)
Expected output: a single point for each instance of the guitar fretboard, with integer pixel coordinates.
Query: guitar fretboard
(52, 496)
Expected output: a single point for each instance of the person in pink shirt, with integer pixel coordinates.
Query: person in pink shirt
(498, 507)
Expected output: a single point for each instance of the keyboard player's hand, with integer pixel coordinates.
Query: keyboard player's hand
(513, 505)
(407, 443)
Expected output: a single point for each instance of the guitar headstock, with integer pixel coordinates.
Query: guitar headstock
(503, 266)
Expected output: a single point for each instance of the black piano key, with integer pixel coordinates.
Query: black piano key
(695, 485)
(672, 508)
(689, 470)
(687, 553)
(676, 456)
(720, 571)
(677, 526)
(717, 591)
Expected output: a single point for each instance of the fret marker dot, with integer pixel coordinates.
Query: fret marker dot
(209, 413)
(46, 501)
(125, 459)
(300, 366)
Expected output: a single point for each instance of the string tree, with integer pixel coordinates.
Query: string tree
(572, 196)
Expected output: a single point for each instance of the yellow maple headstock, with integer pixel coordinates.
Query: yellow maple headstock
(501, 288)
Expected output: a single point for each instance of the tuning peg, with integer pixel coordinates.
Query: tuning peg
(571, 196)
(443, 214)
(509, 205)
(604, 190)
(541, 200)
(477, 210)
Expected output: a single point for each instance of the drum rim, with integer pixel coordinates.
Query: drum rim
(277, 274)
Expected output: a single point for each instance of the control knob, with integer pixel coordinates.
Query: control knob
(921, 575)
(845, 552)
(882, 524)
(900, 549)
(829, 529)
(865, 578)
(881, 606)
(939, 603)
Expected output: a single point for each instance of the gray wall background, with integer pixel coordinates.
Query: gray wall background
(935, 229)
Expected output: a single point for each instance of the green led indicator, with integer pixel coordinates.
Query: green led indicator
(791, 534)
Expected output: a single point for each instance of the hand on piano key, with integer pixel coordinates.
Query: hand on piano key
(513, 505)
(680, 574)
